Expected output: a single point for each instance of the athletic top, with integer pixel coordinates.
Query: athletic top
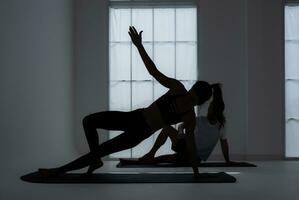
(206, 136)
(168, 109)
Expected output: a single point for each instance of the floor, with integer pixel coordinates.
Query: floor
(275, 180)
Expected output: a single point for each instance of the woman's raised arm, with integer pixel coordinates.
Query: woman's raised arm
(168, 82)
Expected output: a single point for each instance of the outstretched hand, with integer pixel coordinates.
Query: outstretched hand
(135, 37)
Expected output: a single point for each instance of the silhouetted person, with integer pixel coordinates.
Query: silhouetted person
(208, 131)
(176, 105)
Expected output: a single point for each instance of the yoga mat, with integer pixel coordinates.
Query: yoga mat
(131, 163)
(220, 177)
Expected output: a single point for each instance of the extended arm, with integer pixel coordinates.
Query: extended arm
(150, 65)
(225, 149)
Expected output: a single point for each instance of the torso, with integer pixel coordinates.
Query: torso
(157, 117)
(206, 136)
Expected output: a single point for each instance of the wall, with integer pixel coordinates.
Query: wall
(91, 65)
(35, 86)
(265, 79)
(222, 58)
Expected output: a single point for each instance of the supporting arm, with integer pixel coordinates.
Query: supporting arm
(225, 149)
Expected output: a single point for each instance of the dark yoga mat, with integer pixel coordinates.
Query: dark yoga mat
(131, 163)
(220, 177)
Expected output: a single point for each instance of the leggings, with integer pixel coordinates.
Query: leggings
(133, 125)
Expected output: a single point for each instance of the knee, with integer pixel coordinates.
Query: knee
(86, 121)
(167, 130)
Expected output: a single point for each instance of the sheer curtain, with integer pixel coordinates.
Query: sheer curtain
(170, 39)
(292, 80)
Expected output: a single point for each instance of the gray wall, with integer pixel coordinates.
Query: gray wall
(222, 58)
(241, 46)
(35, 85)
(265, 79)
(91, 64)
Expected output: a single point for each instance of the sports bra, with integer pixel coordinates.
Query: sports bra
(168, 109)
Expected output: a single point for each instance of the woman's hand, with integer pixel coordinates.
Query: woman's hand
(181, 127)
(135, 37)
(181, 133)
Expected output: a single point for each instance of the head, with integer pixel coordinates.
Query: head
(216, 107)
(202, 90)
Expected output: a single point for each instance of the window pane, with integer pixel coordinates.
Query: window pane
(292, 138)
(292, 99)
(142, 94)
(164, 58)
(186, 24)
(120, 20)
(292, 86)
(292, 23)
(120, 95)
(186, 66)
(142, 20)
(292, 59)
(164, 24)
(119, 61)
(139, 71)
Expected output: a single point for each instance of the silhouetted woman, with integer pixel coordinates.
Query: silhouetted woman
(176, 105)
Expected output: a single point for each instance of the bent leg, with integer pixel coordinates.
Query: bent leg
(168, 131)
(110, 120)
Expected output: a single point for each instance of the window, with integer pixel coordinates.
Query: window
(170, 39)
(292, 80)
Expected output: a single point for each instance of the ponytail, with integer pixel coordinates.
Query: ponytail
(218, 104)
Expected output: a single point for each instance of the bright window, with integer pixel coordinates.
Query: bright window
(170, 39)
(292, 80)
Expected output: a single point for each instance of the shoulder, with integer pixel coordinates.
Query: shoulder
(178, 89)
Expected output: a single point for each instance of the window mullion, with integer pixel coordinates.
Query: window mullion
(131, 84)
(153, 57)
(175, 43)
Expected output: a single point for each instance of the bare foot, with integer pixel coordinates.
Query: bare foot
(99, 163)
(147, 158)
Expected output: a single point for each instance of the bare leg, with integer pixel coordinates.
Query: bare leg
(168, 131)
(110, 120)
